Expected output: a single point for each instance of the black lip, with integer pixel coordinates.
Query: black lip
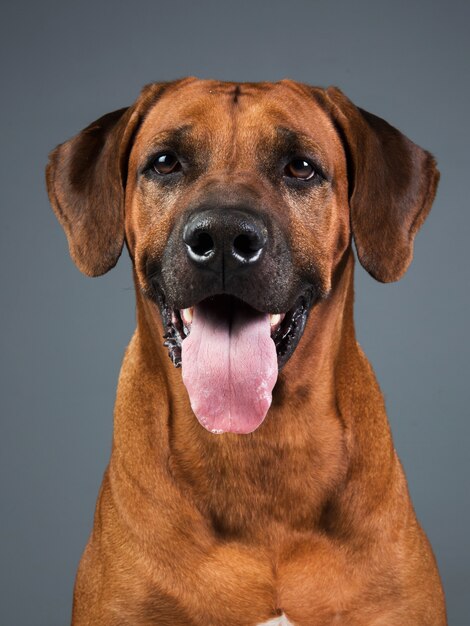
(289, 333)
(286, 337)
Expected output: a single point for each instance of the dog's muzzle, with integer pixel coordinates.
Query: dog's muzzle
(234, 309)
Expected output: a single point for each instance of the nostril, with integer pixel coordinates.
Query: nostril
(202, 244)
(248, 246)
(245, 245)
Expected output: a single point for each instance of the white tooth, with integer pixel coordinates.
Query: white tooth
(275, 319)
(187, 315)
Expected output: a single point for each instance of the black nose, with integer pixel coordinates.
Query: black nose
(225, 238)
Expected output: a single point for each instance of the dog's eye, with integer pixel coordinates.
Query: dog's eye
(300, 168)
(166, 163)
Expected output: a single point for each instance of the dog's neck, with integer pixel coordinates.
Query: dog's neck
(296, 455)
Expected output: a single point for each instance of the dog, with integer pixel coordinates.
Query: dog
(253, 478)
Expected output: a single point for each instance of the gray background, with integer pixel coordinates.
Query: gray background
(62, 335)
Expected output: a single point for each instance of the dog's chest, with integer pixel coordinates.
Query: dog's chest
(245, 489)
(277, 621)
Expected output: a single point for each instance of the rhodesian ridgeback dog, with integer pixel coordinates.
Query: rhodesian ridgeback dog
(258, 482)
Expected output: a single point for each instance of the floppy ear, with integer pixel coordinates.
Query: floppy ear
(392, 185)
(86, 178)
(85, 182)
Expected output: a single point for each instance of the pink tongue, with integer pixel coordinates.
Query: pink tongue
(229, 366)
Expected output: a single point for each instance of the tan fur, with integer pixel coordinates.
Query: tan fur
(309, 515)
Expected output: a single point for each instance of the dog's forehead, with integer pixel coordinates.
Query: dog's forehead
(228, 112)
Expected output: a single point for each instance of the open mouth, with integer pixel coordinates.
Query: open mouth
(285, 328)
(231, 354)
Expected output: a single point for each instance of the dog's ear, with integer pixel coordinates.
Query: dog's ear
(86, 178)
(392, 185)
(85, 181)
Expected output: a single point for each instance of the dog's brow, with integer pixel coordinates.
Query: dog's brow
(291, 140)
(177, 139)
(294, 143)
(286, 134)
(176, 136)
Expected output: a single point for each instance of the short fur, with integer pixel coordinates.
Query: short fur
(310, 515)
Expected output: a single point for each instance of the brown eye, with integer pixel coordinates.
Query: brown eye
(166, 163)
(300, 168)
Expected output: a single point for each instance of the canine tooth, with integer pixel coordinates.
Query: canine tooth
(187, 315)
(275, 319)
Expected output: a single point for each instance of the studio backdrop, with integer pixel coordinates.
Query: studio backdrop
(63, 335)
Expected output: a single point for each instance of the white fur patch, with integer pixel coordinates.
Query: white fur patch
(278, 621)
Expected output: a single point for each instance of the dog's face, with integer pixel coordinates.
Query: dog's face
(238, 192)
(237, 203)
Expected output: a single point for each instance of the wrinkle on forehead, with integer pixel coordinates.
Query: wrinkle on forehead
(229, 120)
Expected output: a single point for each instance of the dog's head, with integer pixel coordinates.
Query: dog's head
(237, 203)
